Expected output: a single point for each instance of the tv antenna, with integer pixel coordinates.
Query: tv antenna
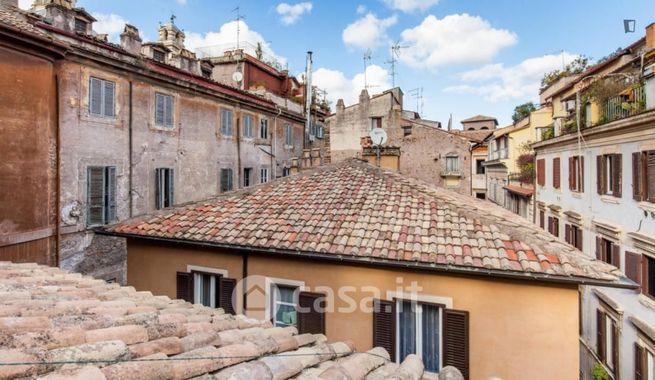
(395, 54)
(418, 94)
(367, 59)
(238, 20)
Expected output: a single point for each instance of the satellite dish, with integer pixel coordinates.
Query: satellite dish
(378, 136)
(237, 76)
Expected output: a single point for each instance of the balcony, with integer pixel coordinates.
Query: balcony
(499, 154)
(629, 103)
(451, 174)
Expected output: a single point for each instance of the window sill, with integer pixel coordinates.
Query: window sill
(647, 301)
(163, 129)
(288, 147)
(610, 199)
(647, 206)
(576, 194)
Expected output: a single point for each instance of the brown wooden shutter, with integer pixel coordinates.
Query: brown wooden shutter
(616, 172)
(616, 255)
(645, 281)
(649, 175)
(600, 174)
(185, 286)
(637, 193)
(578, 238)
(384, 326)
(615, 350)
(633, 266)
(226, 290)
(567, 234)
(456, 340)
(95, 195)
(541, 172)
(556, 173)
(639, 362)
(571, 175)
(542, 220)
(600, 335)
(599, 248)
(311, 316)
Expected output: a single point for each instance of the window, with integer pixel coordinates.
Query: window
(643, 176)
(247, 126)
(419, 332)
(206, 72)
(288, 135)
(164, 183)
(286, 171)
(226, 180)
(407, 131)
(80, 25)
(556, 173)
(608, 252)
(206, 287)
(480, 195)
(542, 219)
(479, 167)
(541, 172)
(376, 122)
(284, 304)
(163, 110)
(587, 115)
(608, 172)
(320, 131)
(641, 269)
(247, 177)
(102, 97)
(158, 55)
(101, 195)
(553, 225)
(226, 122)
(263, 175)
(576, 174)
(263, 128)
(573, 235)
(607, 340)
(644, 362)
(452, 163)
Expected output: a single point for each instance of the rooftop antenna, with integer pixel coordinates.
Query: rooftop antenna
(367, 59)
(238, 20)
(418, 94)
(173, 17)
(395, 53)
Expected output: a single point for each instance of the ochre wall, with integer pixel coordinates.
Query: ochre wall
(28, 165)
(517, 330)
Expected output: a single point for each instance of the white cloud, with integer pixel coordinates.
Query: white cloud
(110, 24)
(215, 43)
(25, 4)
(181, 2)
(496, 83)
(368, 31)
(338, 86)
(454, 39)
(291, 13)
(361, 9)
(410, 5)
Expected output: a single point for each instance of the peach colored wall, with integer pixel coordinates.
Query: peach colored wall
(517, 330)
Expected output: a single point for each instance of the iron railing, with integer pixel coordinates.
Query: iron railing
(625, 105)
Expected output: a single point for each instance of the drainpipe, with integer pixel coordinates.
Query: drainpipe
(238, 137)
(244, 281)
(308, 99)
(57, 172)
(130, 150)
(274, 144)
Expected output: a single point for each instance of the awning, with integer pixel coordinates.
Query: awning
(523, 191)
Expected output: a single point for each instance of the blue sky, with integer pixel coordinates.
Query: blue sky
(470, 57)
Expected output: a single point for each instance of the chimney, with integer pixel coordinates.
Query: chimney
(130, 39)
(340, 106)
(650, 36)
(363, 96)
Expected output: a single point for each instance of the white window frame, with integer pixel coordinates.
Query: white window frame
(247, 127)
(172, 110)
(609, 167)
(263, 127)
(197, 271)
(288, 135)
(227, 129)
(270, 298)
(609, 341)
(264, 176)
(451, 158)
(650, 363)
(103, 110)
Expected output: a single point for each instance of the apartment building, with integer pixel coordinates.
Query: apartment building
(596, 191)
(141, 127)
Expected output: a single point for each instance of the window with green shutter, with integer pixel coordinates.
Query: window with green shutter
(226, 122)
(247, 126)
(163, 110)
(101, 195)
(102, 97)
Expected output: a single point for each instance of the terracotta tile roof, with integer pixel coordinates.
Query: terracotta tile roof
(525, 191)
(352, 210)
(59, 325)
(18, 19)
(478, 118)
(474, 135)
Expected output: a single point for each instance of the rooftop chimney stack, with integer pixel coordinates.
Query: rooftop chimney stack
(650, 36)
(131, 40)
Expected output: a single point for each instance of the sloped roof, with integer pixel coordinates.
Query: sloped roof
(475, 135)
(61, 325)
(352, 211)
(479, 118)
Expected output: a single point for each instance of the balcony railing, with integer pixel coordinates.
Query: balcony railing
(625, 105)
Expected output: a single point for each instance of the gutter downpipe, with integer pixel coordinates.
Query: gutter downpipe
(130, 149)
(244, 281)
(274, 144)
